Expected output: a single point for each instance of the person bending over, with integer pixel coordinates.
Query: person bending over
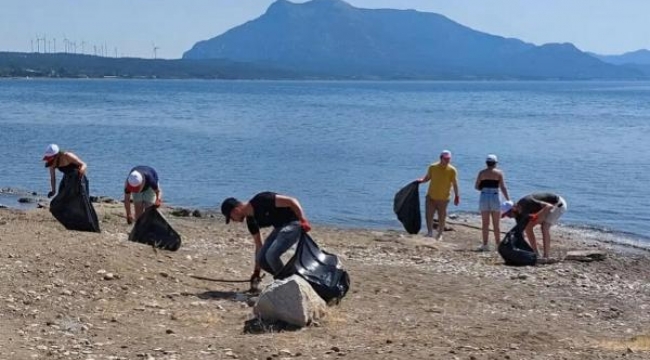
(268, 209)
(142, 184)
(65, 162)
(543, 209)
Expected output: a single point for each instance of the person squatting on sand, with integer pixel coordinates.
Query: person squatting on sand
(268, 209)
(141, 184)
(442, 176)
(64, 161)
(542, 209)
(489, 181)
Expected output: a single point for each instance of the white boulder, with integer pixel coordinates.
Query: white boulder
(291, 300)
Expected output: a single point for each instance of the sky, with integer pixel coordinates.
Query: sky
(136, 27)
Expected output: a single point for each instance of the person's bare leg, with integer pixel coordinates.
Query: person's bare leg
(139, 209)
(546, 239)
(530, 234)
(485, 226)
(428, 206)
(442, 216)
(496, 222)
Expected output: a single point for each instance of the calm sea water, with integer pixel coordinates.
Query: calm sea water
(342, 148)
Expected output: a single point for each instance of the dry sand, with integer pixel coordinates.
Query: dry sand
(411, 297)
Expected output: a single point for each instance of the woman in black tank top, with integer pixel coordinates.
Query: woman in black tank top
(65, 161)
(489, 181)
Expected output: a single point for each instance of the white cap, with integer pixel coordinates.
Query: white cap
(445, 154)
(51, 150)
(135, 179)
(506, 206)
(491, 158)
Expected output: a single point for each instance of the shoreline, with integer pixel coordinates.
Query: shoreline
(468, 219)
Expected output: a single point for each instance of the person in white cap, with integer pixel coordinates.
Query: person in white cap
(489, 181)
(442, 176)
(542, 209)
(141, 184)
(64, 161)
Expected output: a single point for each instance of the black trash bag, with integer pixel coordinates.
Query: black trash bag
(152, 228)
(515, 250)
(406, 206)
(319, 268)
(71, 206)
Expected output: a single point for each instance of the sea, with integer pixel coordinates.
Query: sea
(343, 148)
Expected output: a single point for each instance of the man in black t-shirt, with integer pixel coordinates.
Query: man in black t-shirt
(536, 209)
(268, 209)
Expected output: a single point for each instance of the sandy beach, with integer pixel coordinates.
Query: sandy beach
(72, 295)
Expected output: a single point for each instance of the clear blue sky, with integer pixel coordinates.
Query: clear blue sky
(134, 26)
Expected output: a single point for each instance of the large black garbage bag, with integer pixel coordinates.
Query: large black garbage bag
(152, 228)
(320, 268)
(406, 206)
(515, 250)
(71, 206)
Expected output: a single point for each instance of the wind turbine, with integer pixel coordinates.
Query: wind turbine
(155, 50)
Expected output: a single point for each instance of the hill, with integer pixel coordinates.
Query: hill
(80, 66)
(335, 38)
(638, 57)
(635, 60)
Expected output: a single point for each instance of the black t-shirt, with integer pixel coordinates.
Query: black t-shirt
(266, 214)
(533, 203)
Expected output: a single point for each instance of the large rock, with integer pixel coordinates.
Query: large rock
(291, 300)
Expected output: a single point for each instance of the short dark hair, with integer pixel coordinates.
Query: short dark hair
(227, 206)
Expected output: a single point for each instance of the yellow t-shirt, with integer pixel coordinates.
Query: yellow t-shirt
(441, 179)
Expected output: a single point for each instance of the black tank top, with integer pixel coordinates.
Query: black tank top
(488, 184)
(68, 168)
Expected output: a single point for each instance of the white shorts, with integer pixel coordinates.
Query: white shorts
(556, 212)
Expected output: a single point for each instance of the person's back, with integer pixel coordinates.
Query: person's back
(266, 213)
(533, 203)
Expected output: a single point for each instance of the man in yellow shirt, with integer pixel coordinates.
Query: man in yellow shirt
(442, 176)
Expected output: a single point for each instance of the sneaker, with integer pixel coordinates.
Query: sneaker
(439, 236)
(483, 248)
(429, 234)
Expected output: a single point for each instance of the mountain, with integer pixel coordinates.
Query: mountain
(333, 38)
(639, 57)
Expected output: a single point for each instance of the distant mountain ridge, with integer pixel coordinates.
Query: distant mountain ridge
(331, 37)
(638, 57)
